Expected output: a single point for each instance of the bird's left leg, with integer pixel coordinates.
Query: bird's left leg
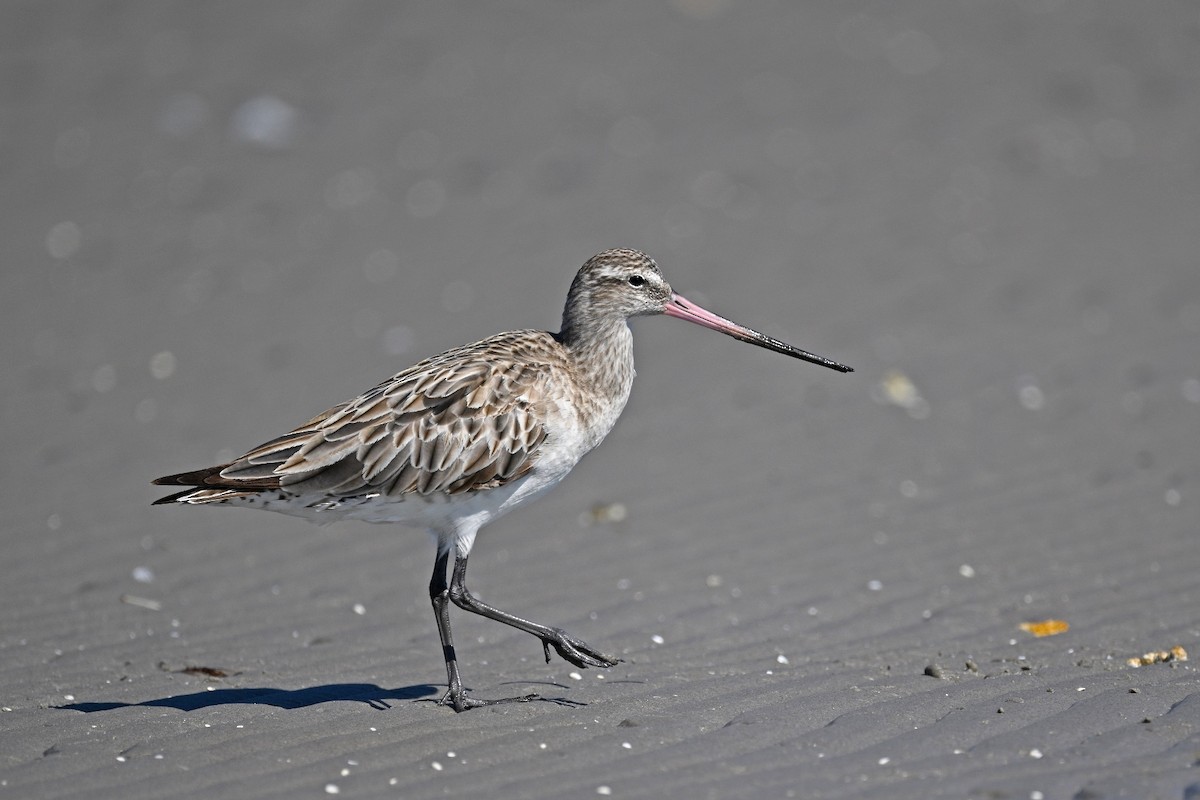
(576, 651)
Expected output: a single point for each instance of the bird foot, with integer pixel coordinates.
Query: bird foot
(460, 701)
(576, 651)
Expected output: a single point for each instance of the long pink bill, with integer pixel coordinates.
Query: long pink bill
(683, 308)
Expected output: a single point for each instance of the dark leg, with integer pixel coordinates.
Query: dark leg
(456, 696)
(578, 652)
(439, 594)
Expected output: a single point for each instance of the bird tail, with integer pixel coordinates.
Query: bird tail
(209, 486)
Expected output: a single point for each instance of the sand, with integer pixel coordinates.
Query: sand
(219, 220)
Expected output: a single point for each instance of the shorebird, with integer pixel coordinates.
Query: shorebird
(460, 439)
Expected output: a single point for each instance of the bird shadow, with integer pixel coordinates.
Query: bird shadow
(374, 696)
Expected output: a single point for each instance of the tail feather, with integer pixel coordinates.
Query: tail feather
(207, 485)
(171, 498)
(199, 496)
(197, 477)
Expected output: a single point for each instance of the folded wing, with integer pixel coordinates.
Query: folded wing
(466, 420)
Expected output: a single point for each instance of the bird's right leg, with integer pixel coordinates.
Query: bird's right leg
(439, 595)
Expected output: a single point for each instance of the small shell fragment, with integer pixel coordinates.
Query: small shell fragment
(897, 389)
(1176, 653)
(603, 514)
(141, 602)
(1046, 627)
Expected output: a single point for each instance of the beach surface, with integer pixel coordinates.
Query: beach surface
(923, 579)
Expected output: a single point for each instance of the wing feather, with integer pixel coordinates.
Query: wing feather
(469, 419)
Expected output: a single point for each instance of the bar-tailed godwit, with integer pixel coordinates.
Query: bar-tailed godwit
(459, 439)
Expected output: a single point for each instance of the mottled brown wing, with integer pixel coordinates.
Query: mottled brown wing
(469, 419)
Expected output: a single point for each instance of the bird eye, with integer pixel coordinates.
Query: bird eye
(637, 280)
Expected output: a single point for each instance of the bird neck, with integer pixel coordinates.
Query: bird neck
(603, 356)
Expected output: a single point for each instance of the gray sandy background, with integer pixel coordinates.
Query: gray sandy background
(220, 219)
